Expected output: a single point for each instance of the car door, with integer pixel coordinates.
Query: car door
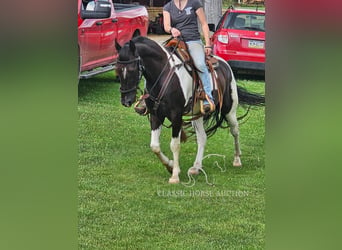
(89, 39)
(108, 37)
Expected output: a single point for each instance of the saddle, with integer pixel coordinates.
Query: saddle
(180, 48)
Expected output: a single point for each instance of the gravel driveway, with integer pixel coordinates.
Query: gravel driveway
(159, 38)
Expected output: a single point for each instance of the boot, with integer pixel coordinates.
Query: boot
(207, 106)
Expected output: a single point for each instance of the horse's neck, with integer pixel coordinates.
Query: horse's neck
(153, 63)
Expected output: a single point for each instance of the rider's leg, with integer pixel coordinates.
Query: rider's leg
(196, 51)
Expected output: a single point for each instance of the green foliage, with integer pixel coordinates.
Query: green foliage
(227, 3)
(125, 201)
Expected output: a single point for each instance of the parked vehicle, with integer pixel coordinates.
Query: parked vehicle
(101, 23)
(240, 40)
(157, 26)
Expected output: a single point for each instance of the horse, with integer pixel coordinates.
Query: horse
(170, 89)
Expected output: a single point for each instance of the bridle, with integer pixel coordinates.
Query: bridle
(140, 70)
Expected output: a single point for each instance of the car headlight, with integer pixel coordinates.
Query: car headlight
(223, 38)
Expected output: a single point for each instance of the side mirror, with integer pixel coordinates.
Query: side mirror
(97, 10)
(211, 27)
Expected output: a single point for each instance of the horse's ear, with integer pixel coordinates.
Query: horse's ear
(117, 46)
(132, 46)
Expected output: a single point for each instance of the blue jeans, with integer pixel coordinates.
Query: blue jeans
(197, 54)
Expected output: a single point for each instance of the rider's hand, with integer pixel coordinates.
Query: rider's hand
(175, 32)
(208, 51)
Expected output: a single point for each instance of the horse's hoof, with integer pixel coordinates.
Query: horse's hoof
(193, 171)
(237, 163)
(174, 180)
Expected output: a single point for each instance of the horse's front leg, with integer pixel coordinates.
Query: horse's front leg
(155, 147)
(201, 137)
(175, 148)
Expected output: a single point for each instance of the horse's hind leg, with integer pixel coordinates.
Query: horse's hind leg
(201, 141)
(155, 147)
(234, 130)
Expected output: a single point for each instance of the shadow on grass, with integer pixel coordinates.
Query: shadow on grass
(250, 77)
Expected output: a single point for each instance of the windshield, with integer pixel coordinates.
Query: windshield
(245, 21)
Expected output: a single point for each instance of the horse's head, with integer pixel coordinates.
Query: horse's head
(128, 69)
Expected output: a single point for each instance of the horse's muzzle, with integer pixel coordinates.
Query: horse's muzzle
(127, 102)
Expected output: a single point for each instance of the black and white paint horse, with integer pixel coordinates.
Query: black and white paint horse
(159, 67)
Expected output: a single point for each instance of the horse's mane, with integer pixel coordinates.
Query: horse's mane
(145, 41)
(142, 39)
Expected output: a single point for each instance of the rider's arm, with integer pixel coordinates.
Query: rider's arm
(167, 21)
(205, 29)
(167, 25)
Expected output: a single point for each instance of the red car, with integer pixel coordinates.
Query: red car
(240, 40)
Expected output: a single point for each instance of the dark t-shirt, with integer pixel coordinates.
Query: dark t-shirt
(185, 20)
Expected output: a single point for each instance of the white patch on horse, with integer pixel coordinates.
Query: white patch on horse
(124, 72)
(185, 80)
(201, 137)
(155, 144)
(175, 148)
(155, 147)
(233, 85)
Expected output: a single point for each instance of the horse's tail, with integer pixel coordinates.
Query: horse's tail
(250, 98)
(218, 120)
(213, 122)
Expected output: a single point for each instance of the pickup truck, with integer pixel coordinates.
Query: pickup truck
(101, 23)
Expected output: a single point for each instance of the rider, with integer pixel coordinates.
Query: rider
(180, 19)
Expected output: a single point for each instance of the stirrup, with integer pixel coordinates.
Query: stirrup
(140, 106)
(207, 108)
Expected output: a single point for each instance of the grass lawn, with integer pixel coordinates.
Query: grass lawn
(125, 201)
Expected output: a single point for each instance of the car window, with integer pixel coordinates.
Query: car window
(242, 21)
(91, 5)
(227, 20)
(220, 22)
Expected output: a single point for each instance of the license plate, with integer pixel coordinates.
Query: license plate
(255, 44)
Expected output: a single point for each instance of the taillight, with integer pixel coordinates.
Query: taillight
(223, 38)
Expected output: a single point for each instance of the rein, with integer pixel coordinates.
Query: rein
(163, 89)
(161, 93)
(164, 68)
